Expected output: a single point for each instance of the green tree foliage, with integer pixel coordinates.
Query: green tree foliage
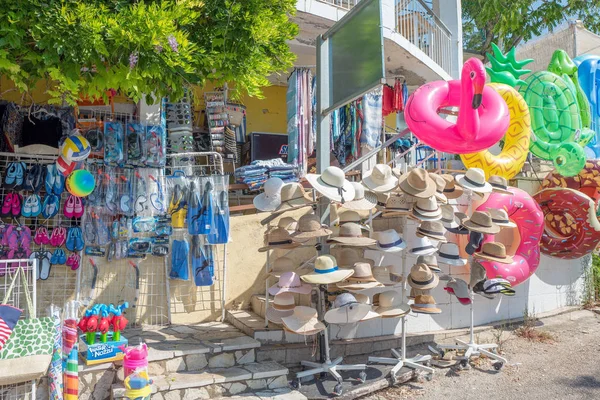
(141, 47)
(509, 22)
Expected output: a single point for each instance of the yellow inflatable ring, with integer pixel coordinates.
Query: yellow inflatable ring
(516, 141)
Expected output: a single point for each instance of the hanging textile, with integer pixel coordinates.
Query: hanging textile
(291, 98)
(388, 101)
(300, 126)
(373, 118)
(398, 97)
(404, 93)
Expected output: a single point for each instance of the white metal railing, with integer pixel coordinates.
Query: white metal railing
(343, 4)
(417, 23)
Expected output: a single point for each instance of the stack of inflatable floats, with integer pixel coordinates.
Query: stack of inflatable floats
(553, 114)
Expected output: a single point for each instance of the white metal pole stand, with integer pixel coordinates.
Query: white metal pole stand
(472, 348)
(400, 359)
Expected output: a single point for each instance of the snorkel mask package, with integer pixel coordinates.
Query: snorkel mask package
(136, 135)
(113, 142)
(155, 146)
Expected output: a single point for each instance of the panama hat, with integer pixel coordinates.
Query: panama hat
(499, 184)
(278, 238)
(474, 179)
(270, 199)
(460, 230)
(364, 299)
(382, 199)
(459, 288)
(386, 276)
(389, 241)
(288, 223)
(281, 265)
(283, 306)
(398, 204)
(451, 190)
(494, 251)
(391, 304)
(417, 292)
(432, 229)
(349, 216)
(347, 310)
(421, 277)
(449, 254)
(326, 271)
(332, 183)
(448, 217)
(309, 226)
(293, 197)
(303, 321)
(350, 234)
(427, 209)
(481, 222)
(289, 282)
(500, 218)
(417, 183)
(361, 279)
(364, 200)
(440, 184)
(421, 246)
(425, 304)
(478, 274)
(380, 179)
(429, 260)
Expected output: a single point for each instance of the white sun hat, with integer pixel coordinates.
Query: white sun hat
(270, 199)
(380, 179)
(364, 200)
(332, 183)
(303, 321)
(326, 272)
(283, 306)
(347, 310)
(391, 305)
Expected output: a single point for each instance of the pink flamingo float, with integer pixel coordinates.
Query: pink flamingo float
(483, 116)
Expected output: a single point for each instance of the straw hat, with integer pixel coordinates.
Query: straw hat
(474, 179)
(494, 251)
(350, 234)
(432, 229)
(278, 238)
(448, 217)
(417, 292)
(391, 304)
(293, 196)
(380, 179)
(500, 218)
(347, 310)
(364, 200)
(362, 278)
(481, 222)
(499, 184)
(349, 216)
(417, 183)
(364, 299)
(303, 321)
(440, 184)
(427, 209)
(389, 241)
(386, 276)
(283, 306)
(270, 199)
(347, 256)
(425, 304)
(478, 274)
(421, 246)
(459, 288)
(332, 183)
(326, 271)
(288, 223)
(289, 282)
(382, 199)
(398, 204)
(451, 190)
(421, 277)
(449, 254)
(281, 265)
(460, 230)
(429, 260)
(309, 226)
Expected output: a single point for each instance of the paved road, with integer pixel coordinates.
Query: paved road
(569, 368)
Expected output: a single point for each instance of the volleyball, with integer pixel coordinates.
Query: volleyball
(75, 148)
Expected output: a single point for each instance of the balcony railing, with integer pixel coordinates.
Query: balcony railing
(343, 4)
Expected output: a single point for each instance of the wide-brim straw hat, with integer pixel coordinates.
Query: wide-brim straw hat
(391, 305)
(332, 184)
(451, 190)
(278, 238)
(389, 241)
(362, 278)
(283, 306)
(364, 200)
(474, 179)
(326, 272)
(494, 251)
(500, 218)
(347, 310)
(270, 199)
(398, 204)
(380, 179)
(289, 282)
(417, 183)
(364, 299)
(432, 229)
(449, 254)
(499, 185)
(422, 277)
(350, 234)
(481, 222)
(303, 321)
(281, 265)
(290, 224)
(293, 196)
(425, 304)
(309, 227)
(274, 315)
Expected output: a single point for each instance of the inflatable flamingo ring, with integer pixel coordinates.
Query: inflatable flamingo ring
(482, 116)
(527, 215)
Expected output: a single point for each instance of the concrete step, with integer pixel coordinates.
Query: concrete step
(210, 383)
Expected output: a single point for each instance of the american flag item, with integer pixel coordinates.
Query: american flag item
(9, 316)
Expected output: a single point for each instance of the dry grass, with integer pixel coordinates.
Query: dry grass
(529, 329)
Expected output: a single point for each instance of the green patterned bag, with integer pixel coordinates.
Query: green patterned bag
(28, 351)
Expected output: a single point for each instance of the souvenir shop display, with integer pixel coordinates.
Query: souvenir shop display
(99, 343)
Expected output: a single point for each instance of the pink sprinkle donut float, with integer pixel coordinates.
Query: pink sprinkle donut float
(483, 116)
(525, 212)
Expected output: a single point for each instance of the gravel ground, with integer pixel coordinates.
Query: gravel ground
(568, 368)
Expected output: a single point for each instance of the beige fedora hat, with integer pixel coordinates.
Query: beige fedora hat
(427, 209)
(478, 274)
(474, 179)
(293, 197)
(350, 234)
(288, 223)
(349, 216)
(429, 260)
(326, 272)
(382, 199)
(451, 190)
(281, 265)
(364, 200)
(270, 199)
(494, 251)
(449, 254)
(283, 306)
(346, 310)
(391, 304)
(499, 184)
(417, 183)
(362, 278)
(425, 304)
(303, 321)
(278, 238)
(500, 218)
(386, 276)
(380, 179)
(432, 229)
(440, 184)
(398, 204)
(421, 277)
(309, 226)
(417, 292)
(332, 183)
(481, 222)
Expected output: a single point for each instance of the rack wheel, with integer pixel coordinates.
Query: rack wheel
(362, 377)
(428, 377)
(442, 353)
(498, 365)
(337, 390)
(464, 364)
(296, 384)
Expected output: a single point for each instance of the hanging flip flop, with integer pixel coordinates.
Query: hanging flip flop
(50, 178)
(44, 264)
(20, 175)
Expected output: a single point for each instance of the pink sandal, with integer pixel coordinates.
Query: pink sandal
(58, 236)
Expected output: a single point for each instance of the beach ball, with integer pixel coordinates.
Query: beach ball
(75, 148)
(80, 183)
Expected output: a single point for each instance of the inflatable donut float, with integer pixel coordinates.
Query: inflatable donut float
(571, 229)
(587, 181)
(523, 210)
(516, 140)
